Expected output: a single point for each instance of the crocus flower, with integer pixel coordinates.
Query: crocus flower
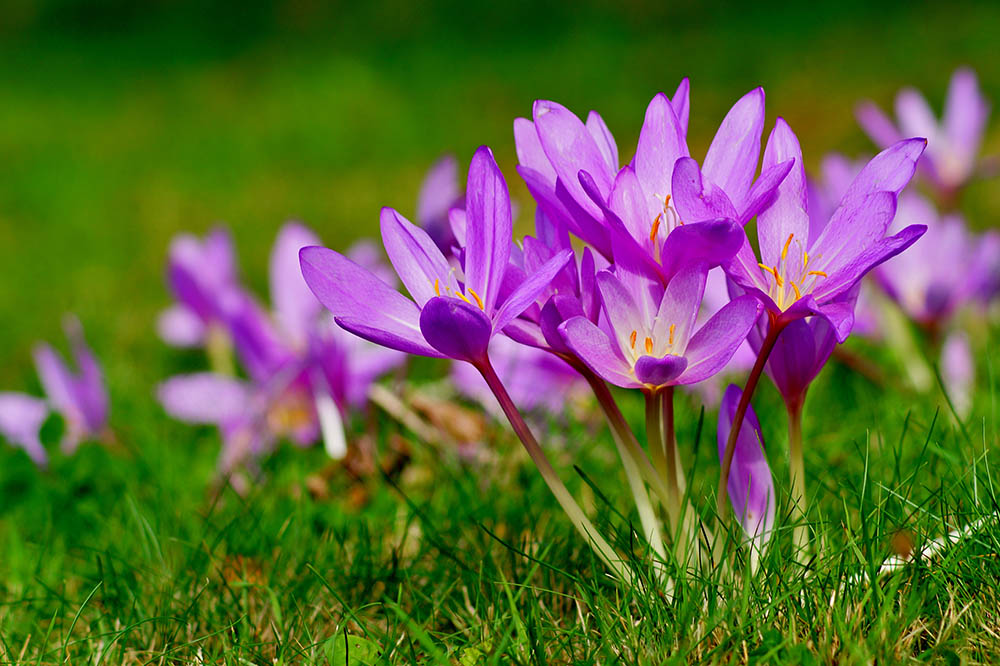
(798, 356)
(800, 275)
(439, 193)
(199, 273)
(305, 374)
(948, 268)
(447, 317)
(652, 342)
(751, 488)
(79, 397)
(953, 145)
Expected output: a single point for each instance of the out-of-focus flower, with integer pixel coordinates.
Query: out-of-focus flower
(946, 269)
(305, 374)
(448, 317)
(751, 487)
(439, 194)
(200, 274)
(953, 144)
(535, 379)
(800, 275)
(79, 397)
(652, 342)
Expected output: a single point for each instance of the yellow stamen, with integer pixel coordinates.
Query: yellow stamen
(632, 337)
(479, 301)
(798, 294)
(819, 273)
(649, 345)
(462, 296)
(805, 259)
(437, 287)
(773, 271)
(656, 226)
(666, 202)
(670, 340)
(784, 250)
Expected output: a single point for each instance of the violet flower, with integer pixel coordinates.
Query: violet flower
(448, 316)
(79, 397)
(751, 487)
(652, 343)
(199, 273)
(947, 269)
(803, 275)
(305, 374)
(954, 143)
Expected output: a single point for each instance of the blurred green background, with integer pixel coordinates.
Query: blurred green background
(123, 123)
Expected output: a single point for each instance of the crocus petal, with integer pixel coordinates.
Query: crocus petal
(731, 161)
(438, 192)
(403, 341)
(571, 148)
(889, 171)
(661, 144)
(710, 243)
(92, 397)
(487, 206)
(530, 289)
(914, 114)
(877, 125)
(621, 309)
(180, 327)
(696, 199)
(681, 102)
(856, 225)
(787, 219)
(21, 419)
(556, 310)
(965, 116)
(204, 398)
(849, 273)
(800, 352)
(765, 189)
(603, 138)
(456, 329)
(57, 381)
(679, 307)
(599, 353)
(632, 207)
(530, 153)
(295, 306)
(419, 263)
(352, 293)
(751, 488)
(659, 371)
(716, 342)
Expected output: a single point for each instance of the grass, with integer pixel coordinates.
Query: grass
(113, 140)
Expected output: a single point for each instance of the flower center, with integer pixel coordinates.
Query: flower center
(783, 287)
(458, 294)
(649, 345)
(668, 220)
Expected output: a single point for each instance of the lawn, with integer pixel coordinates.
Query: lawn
(119, 130)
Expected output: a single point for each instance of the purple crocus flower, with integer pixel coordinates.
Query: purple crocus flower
(199, 273)
(751, 488)
(802, 275)
(447, 317)
(305, 374)
(650, 342)
(798, 356)
(953, 144)
(948, 268)
(79, 397)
